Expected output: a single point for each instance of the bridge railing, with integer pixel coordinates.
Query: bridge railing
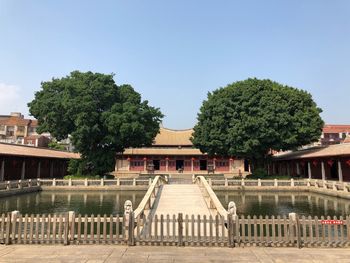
(210, 197)
(150, 196)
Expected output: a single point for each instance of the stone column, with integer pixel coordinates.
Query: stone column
(191, 165)
(298, 169)
(129, 161)
(309, 169)
(2, 171)
(340, 172)
(39, 170)
(323, 171)
(23, 172)
(51, 169)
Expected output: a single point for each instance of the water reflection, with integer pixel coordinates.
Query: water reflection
(83, 202)
(282, 203)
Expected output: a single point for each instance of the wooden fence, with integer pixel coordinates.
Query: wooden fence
(179, 230)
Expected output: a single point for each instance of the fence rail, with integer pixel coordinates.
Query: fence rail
(179, 230)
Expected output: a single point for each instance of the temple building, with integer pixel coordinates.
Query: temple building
(323, 162)
(172, 152)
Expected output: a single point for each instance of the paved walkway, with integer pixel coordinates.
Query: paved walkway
(110, 253)
(181, 198)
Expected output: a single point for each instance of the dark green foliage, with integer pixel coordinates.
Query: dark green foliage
(101, 117)
(248, 118)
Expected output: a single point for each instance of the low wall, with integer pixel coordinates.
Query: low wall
(5, 193)
(95, 188)
(330, 188)
(9, 188)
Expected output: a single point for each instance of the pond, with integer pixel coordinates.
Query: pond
(83, 202)
(282, 203)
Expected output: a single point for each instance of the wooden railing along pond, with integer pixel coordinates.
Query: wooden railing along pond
(179, 230)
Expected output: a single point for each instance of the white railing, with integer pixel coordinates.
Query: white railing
(329, 185)
(18, 184)
(210, 197)
(150, 196)
(95, 182)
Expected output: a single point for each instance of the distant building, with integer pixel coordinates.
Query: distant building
(171, 153)
(334, 134)
(19, 162)
(15, 128)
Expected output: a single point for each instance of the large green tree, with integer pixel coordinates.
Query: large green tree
(248, 118)
(101, 117)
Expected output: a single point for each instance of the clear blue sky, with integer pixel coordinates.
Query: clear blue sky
(174, 52)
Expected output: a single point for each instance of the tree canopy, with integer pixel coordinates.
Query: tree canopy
(248, 118)
(101, 117)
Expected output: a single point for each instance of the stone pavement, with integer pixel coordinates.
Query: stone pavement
(181, 198)
(112, 253)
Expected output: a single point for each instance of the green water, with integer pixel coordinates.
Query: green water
(83, 202)
(282, 203)
(112, 202)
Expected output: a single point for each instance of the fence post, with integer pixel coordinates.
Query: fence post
(275, 184)
(149, 181)
(14, 215)
(180, 228)
(292, 182)
(54, 182)
(210, 183)
(71, 226)
(131, 238)
(133, 181)
(66, 229)
(70, 182)
(296, 224)
(19, 186)
(118, 181)
(226, 182)
(8, 185)
(102, 182)
(334, 186)
(8, 229)
(308, 182)
(86, 182)
(259, 182)
(129, 223)
(242, 182)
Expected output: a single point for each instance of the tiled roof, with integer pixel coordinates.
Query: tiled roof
(165, 151)
(20, 150)
(316, 152)
(173, 137)
(335, 128)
